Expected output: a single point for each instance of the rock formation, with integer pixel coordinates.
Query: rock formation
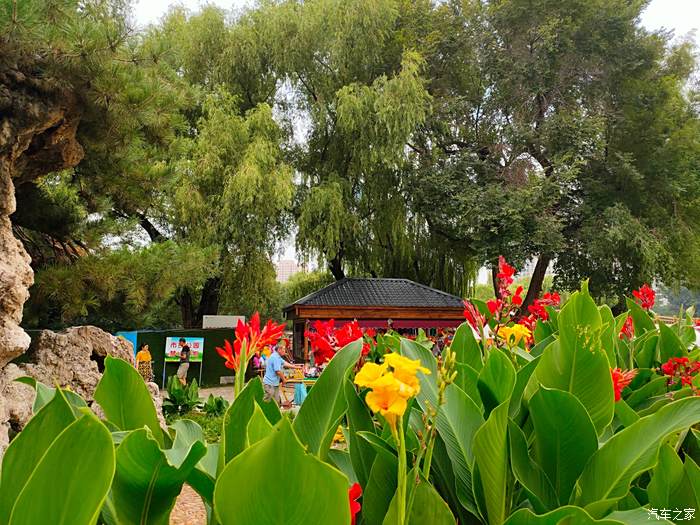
(73, 358)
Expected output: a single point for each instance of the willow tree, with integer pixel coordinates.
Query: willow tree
(353, 79)
(231, 194)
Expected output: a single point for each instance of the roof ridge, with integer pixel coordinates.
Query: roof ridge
(318, 292)
(421, 285)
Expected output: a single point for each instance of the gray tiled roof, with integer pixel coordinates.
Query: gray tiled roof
(379, 292)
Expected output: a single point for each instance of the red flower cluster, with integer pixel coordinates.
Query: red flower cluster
(537, 308)
(627, 330)
(326, 339)
(354, 493)
(621, 379)
(504, 276)
(645, 296)
(474, 316)
(538, 311)
(681, 368)
(254, 338)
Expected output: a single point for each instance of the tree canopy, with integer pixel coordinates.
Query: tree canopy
(393, 138)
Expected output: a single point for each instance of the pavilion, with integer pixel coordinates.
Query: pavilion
(376, 303)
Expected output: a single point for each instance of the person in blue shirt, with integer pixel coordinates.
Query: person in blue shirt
(274, 374)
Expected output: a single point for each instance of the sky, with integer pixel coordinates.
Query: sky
(681, 16)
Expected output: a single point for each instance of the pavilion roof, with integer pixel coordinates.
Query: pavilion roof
(379, 292)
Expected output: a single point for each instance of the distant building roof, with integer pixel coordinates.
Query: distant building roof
(379, 292)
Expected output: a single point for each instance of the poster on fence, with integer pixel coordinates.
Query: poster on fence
(172, 348)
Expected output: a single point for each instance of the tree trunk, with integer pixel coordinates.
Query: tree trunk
(335, 265)
(193, 314)
(153, 232)
(494, 280)
(186, 309)
(535, 288)
(209, 300)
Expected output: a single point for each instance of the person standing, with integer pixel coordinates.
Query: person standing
(274, 374)
(184, 361)
(143, 363)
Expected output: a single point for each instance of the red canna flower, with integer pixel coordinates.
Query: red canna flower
(231, 356)
(494, 306)
(326, 340)
(505, 270)
(627, 330)
(354, 493)
(348, 333)
(254, 338)
(370, 332)
(645, 296)
(529, 322)
(505, 277)
(473, 316)
(517, 300)
(621, 379)
(550, 299)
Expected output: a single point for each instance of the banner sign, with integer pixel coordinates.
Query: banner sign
(172, 349)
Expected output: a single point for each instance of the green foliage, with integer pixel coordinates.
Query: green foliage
(539, 447)
(215, 406)
(210, 425)
(181, 399)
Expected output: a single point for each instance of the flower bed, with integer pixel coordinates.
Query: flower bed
(548, 415)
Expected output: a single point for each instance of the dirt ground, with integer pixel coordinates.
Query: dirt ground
(189, 509)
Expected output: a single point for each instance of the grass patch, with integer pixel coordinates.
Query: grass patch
(211, 425)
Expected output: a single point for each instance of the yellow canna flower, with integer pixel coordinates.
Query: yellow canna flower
(514, 334)
(405, 371)
(369, 373)
(386, 399)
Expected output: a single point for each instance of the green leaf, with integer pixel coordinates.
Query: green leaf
(656, 386)
(674, 485)
(234, 432)
(319, 416)
(341, 460)
(637, 516)
(70, 482)
(578, 364)
(359, 420)
(125, 399)
(280, 461)
(467, 350)
(630, 452)
(608, 334)
(457, 422)
(380, 489)
(564, 438)
(148, 479)
(258, 426)
(640, 317)
(521, 380)
(467, 379)
(568, 515)
(25, 451)
(491, 472)
(44, 394)
(529, 473)
(429, 508)
(670, 344)
(203, 477)
(496, 380)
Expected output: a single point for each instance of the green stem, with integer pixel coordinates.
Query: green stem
(429, 452)
(401, 482)
(239, 381)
